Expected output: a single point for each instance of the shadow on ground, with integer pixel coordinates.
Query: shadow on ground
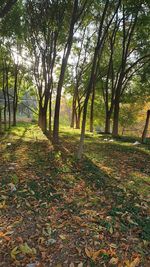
(81, 200)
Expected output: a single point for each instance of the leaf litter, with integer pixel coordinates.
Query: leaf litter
(78, 217)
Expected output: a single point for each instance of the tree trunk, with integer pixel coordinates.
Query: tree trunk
(62, 72)
(5, 100)
(98, 49)
(50, 115)
(107, 122)
(0, 120)
(146, 126)
(116, 116)
(123, 130)
(73, 112)
(78, 119)
(8, 100)
(42, 120)
(80, 150)
(89, 88)
(92, 111)
(15, 98)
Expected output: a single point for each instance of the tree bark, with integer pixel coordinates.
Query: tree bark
(5, 100)
(62, 72)
(50, 115)
(73, 111)
(107, 122)
(91, 80)
(97, 54)
(116, 117)
(8, 100)
(144, 134)
(42, 120)
(92, 111)
(15, 96)
(0, 120)
(78, 120)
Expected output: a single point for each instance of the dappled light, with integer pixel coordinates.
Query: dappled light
(51, 203)
(74, 133)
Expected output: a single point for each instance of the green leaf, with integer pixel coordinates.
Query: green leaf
(14, 252)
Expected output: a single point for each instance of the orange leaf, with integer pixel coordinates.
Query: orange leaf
(135, 262)
(7, 238)
(89, 252)
(1, 234)
(96, 254)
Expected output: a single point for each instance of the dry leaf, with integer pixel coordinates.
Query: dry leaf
(89, 252)
(19, 239)
(113, 261)
(96, 254)
(3, 205)
(63, 237)
(7, 238)
(14, 252)
(92, 254)
(2, 234)
(135, 262)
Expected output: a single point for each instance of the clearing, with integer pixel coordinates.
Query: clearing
(57, 211)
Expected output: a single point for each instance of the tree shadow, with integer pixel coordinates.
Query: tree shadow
(54, 171)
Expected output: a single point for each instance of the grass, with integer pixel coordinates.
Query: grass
(65, 208)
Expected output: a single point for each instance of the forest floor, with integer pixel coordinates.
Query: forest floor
(58, 211)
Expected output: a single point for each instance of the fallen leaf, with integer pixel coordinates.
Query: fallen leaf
(135, 262)
(89, 252)
(19, 239)
(63, 237)
(51, 241)
(111, 230)
(96, 254)
(112, 245)
(113, 261)
(3, 205)
(7, 238)
(77, 219)
(26, 249)
(2, 234)
(14, 252)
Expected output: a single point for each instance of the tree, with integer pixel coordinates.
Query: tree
(6, 6)
(131, 60)
(44, 23)
(146, 126)
(11, 28)
(77, 12)
(79, 74)
(102, 32)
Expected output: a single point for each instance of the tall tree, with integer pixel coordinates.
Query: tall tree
(44, 23)
(146, 126)
(77, 12)
(104, 25)
(131, 60)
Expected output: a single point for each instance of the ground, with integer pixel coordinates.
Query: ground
(58, 211)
